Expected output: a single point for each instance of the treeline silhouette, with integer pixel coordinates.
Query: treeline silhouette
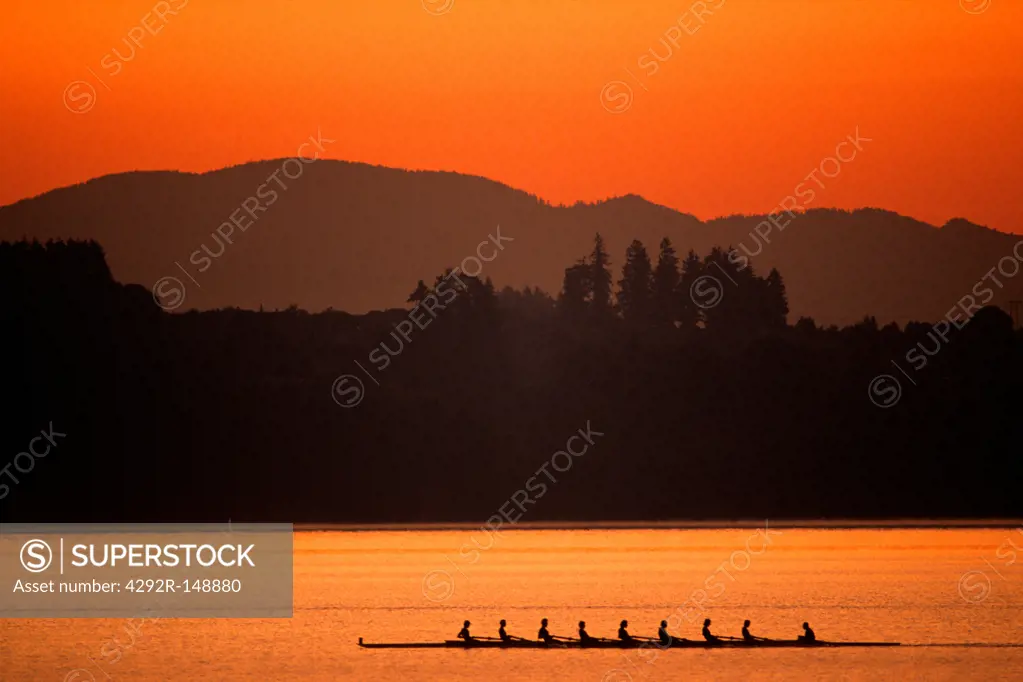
(712, 406)
(716, 293)
(343, 221)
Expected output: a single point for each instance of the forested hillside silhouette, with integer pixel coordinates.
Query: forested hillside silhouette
(715, 401)
(348, 236)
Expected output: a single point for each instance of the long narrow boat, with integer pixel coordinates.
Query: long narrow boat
(615, 644)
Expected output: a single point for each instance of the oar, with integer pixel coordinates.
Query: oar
(559, 640)
(566, 640)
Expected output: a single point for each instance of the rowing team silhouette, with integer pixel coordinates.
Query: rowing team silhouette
(663, 637)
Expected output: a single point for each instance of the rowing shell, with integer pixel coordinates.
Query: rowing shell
(617, 644)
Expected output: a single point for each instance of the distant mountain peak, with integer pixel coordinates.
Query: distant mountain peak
(357, 237)
(964, 226)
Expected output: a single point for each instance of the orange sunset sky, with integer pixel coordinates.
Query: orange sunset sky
(744, 108)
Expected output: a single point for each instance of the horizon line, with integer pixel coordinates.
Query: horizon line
(742, 524)
(577, 203)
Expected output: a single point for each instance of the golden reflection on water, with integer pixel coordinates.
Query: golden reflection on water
(914, 586)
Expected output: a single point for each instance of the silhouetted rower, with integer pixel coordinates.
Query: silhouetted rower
(501, 633)
(706, 632)
(746, 636)
(662, 634)
(807, 635)
(543, 633)
(623, 632)
(464, 633)
(584, 637)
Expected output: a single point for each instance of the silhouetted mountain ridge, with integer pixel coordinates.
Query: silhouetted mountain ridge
(357, 237)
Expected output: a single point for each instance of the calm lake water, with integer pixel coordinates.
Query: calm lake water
(891, 585)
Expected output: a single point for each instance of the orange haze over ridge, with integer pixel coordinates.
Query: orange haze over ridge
(750, 101)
